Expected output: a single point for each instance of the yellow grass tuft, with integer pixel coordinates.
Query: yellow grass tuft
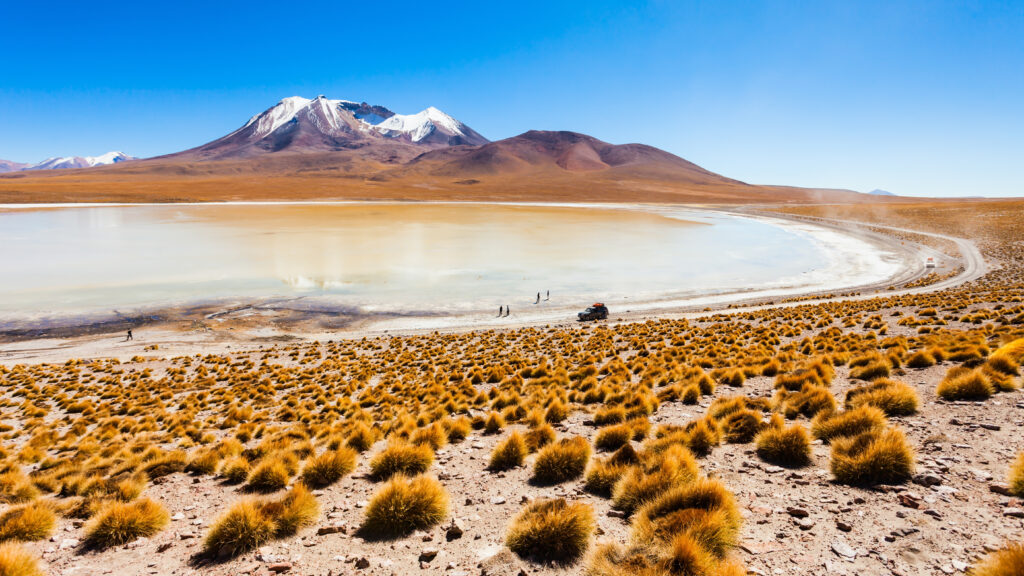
(269, 475)
(1016, 477)
(658, 473)
(119, 523)
(827, 426)
(404, 505)
(27, 523)
(399, 458)
(704, 510)
(509, 453)
(894, 397)
(242, 528)
(329, 467)
(965, 385)
(878, 457)
(16, 561)
(562, 461)
(552, 531)
(1006, 562)
(789, 446)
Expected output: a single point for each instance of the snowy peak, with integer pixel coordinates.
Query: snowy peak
(59, 162)
(319, 124)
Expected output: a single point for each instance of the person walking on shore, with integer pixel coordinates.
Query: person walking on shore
(129, 337)
(499, 311)
(508, 310)
(538, 298)
(547, 296)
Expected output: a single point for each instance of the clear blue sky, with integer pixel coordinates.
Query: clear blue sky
(920, 98)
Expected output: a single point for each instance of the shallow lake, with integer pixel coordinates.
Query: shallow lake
(404, 257)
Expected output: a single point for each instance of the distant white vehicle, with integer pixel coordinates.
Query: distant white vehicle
(929, 263)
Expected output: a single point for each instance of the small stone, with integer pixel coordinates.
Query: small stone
(843, 549)
(362, 563)
(186, 535)
(999, 488)
(178, 516)
(797, 512)
(804, 523)
(927, 479)
(164, 547)
(616, 514)
(843, 526)
(428, 554)
(1013, 512)
(909, 501)
(332, 529)
(497, 500)
(280, 567)
(453, 532)
(68, 543)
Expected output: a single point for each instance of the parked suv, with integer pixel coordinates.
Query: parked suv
(597, 311)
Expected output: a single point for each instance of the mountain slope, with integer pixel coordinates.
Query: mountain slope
(57, 162)
(9, 166)
(300, 125)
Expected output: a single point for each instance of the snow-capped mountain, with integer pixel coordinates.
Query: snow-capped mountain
(79, 161)
(9, 166)
(300, 124)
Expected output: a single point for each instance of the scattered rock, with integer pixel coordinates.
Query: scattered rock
(362, 563)
(843, 549)
(797, 512)
(332, 529)
(428, 554)
(280, 567)
(1013, 512)
(909, 501)
(453, 532)
(843, 526)
(999, 488)
(927, 479)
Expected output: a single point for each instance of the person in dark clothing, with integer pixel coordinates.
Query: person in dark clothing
(129, 335)
(538, 298)
(508, 310)
(547, 296)
(499, 311)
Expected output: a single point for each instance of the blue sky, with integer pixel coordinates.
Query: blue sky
(920, 98)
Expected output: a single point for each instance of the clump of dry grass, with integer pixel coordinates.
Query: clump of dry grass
(894, 397)
(920, 359)
(872, 370)
(1006, 562)
(603, 474)
(269, 475)
(827, 426)
(809, 401)
(1016, 477)
(118, 523)
(539, 437)
(400, 458)
(236, 470)
(876, 457)
(561, 461)
(404, 505)
(27, 523)
(704, 510)
(613, 437)
(552, 531)
(16, 561)
(251, 522)
(741, 426)
(656, 474)
(788, 446)
(329, 467)
(15, 488)
(508, 454)
(965, 384)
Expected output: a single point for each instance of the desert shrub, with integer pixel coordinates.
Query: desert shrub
(361, 437)
(118, 523)
(602, 474)
(329, 467)
(656, 474)
(892, 396)
(204, 462)
(539, 437)
(809, 401)
(789, 446)
(733, 377)
(28, 522)
(400, 458)
(920, 359)
(877, 457)
(556, 411)
(251, 522)
(236, 470)
(1006, 562)
(1016, 477)
(876, 369)
(552, 531)
(242, 528)
(610, 415)
(457, 429)
(509, 453)
(404, 505)
(613, 437)
(433, 436)
(965, 385)
(561, 461)
(15, 488)
(269, 475)
(494, 423)
(16, 561)
(704, 510)
(741, 426)
(829, 425)
(168, 463)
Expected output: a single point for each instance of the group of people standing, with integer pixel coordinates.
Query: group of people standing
(505, 310)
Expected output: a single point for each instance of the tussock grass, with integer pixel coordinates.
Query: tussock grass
(561, 461)
(269, 475)
(166, 464)
(15, 488)
(613, 437)
(704, 510)
(602, 474)
(789, 446)
(361, 438)
(118, 523)
(961, 384)
(28, 522)
(1016, 477)
(1006, 562)
(404, 505)
(400, 458)
(892, 396)
(656, 474)
(876, 369)
(539, 437)
(509, 453)
(920, 359)
(741, 426)
(877, 457)
(866, 418)
(329, 467)
(16, 561)
(250, 522)
(552, 531)
(236, 470)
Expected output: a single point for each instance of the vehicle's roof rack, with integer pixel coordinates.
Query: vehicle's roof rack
(596, 304)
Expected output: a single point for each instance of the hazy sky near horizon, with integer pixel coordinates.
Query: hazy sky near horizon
(918, 98)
